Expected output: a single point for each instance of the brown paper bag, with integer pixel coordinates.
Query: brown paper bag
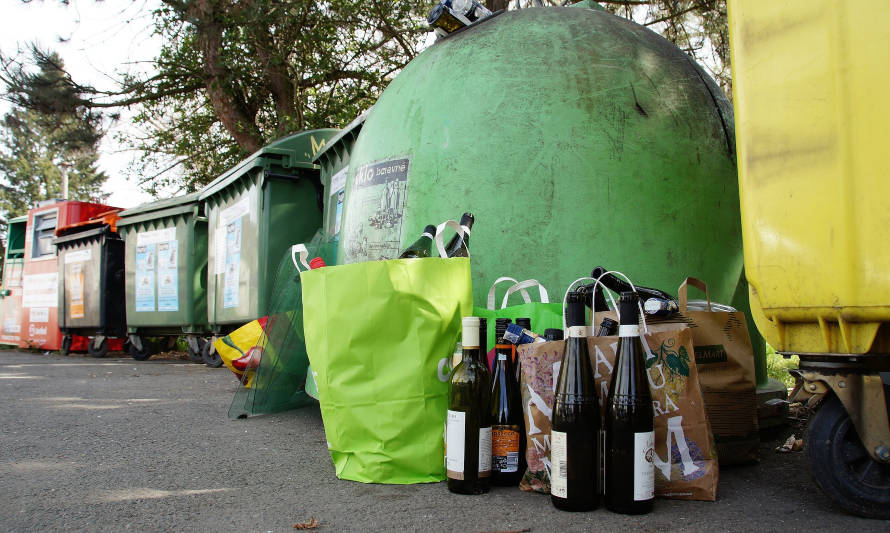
(685, 459)
(725, 363)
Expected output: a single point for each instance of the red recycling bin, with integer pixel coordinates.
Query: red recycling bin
(40, 283)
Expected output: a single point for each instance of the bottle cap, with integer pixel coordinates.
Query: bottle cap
(467, 220)
(524, 323)
(470, 335)
(608, 323)
(628, 310)
(430, 229)
(470, 321)
(553, 334)
(316, 262)
(500, 327)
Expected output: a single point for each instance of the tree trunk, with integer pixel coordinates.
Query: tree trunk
(230, 111)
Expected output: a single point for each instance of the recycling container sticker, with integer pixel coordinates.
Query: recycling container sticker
(377, 206)
(168, 287)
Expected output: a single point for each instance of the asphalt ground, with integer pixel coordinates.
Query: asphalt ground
(113, 444)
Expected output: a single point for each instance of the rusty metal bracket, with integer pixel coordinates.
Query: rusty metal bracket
(863, 397)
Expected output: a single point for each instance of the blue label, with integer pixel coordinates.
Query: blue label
(233, 264)
(168, 286)
(145, 277)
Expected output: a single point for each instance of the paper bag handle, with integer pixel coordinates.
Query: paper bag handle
(440, 229)
(698, 284)
(491, 291)
(527, 284)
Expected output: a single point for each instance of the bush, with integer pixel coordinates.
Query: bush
(777, 366)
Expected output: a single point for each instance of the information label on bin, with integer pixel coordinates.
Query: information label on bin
(373, 227)
(74, 287)
(234, 211)
(41, 290)
(233, 264)
(145, 277)
(156, 236)
(79, 256)
(38, 314)
(168, 283)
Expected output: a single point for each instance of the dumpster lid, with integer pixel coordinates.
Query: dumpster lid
(159, 205)
(108, 218)
(84, 232)
(351, 129)
(294, 151)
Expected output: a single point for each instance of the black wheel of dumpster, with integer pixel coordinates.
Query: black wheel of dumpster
(197, 356)
(211, 358)
(98, 350)
(842, 468)
(66, 345)
(144, 353)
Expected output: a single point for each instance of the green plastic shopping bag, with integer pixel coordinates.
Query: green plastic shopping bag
(380, 337)
(543, 314)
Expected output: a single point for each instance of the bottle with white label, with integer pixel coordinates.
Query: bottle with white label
(575, 470)
(629, 421)
(468, 424)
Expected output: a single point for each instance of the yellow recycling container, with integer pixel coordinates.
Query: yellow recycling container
(812, 119)
(810, 86)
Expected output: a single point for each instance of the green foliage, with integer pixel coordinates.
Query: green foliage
(777, 366)
(234, 76)
(699, 27)
(48, 132)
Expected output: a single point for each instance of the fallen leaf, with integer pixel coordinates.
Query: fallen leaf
(311, 524)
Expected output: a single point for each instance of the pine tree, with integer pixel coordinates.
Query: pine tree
(48, 132)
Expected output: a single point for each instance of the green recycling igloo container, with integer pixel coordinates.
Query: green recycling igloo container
(255, 212)
(577, 138)
(166, 280)
(333, 161)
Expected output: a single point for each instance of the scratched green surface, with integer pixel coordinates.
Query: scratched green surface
(578, 139)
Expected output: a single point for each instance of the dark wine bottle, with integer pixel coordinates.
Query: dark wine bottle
(468, 424)
(607, 327)
(526, 324)
(459, 245)
(616, 284)
(553, 334)
(422, 246)
(575, 476)
(507, 435)
(630, 437)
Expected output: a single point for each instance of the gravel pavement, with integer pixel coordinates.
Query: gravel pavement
(113, 444)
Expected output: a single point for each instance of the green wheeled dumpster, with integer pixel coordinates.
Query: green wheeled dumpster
(255, 212)
(166, 280)
(91, 283)
(333, 161)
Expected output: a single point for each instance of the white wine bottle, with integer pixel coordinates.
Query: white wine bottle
(468, 424)
(422, 246)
